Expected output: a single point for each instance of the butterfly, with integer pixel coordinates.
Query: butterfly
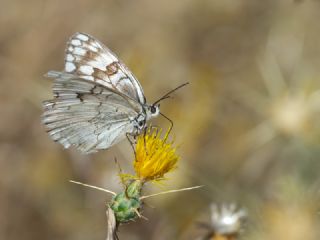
(97, 100)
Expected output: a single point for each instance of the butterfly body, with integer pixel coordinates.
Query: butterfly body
(97, 100)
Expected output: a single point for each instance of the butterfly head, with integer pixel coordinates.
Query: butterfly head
(150, 111)
(153, 110)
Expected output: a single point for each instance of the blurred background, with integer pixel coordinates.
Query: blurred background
(247, 126)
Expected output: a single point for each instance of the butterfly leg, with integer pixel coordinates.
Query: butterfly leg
(144, 139)
(171, 124)
(145, 133)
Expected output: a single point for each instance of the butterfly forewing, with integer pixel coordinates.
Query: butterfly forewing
(97, 100)
(91, 60)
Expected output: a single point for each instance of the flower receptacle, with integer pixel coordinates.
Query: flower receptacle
(126, 204)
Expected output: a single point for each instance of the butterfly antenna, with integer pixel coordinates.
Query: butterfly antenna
(167, 95)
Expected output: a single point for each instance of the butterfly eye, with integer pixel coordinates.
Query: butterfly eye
(153, 109)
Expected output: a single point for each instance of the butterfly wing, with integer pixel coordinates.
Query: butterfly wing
(89, 59)
(87, 114)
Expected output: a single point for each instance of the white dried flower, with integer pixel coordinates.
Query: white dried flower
(226, 219)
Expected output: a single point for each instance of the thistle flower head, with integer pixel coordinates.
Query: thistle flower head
(126, 204)
(226, 219)
(155, 156)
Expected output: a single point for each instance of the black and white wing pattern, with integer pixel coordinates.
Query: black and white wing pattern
(86, 114)
(97, 100)
(89, 59)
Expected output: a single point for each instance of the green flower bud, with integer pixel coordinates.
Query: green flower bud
(126, 204)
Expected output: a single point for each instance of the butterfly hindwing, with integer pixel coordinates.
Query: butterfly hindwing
(91, 60)
(87, 114)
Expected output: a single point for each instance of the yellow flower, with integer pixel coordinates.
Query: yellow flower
(154, 155)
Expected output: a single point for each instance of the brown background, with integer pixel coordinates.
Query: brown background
(247, 125)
